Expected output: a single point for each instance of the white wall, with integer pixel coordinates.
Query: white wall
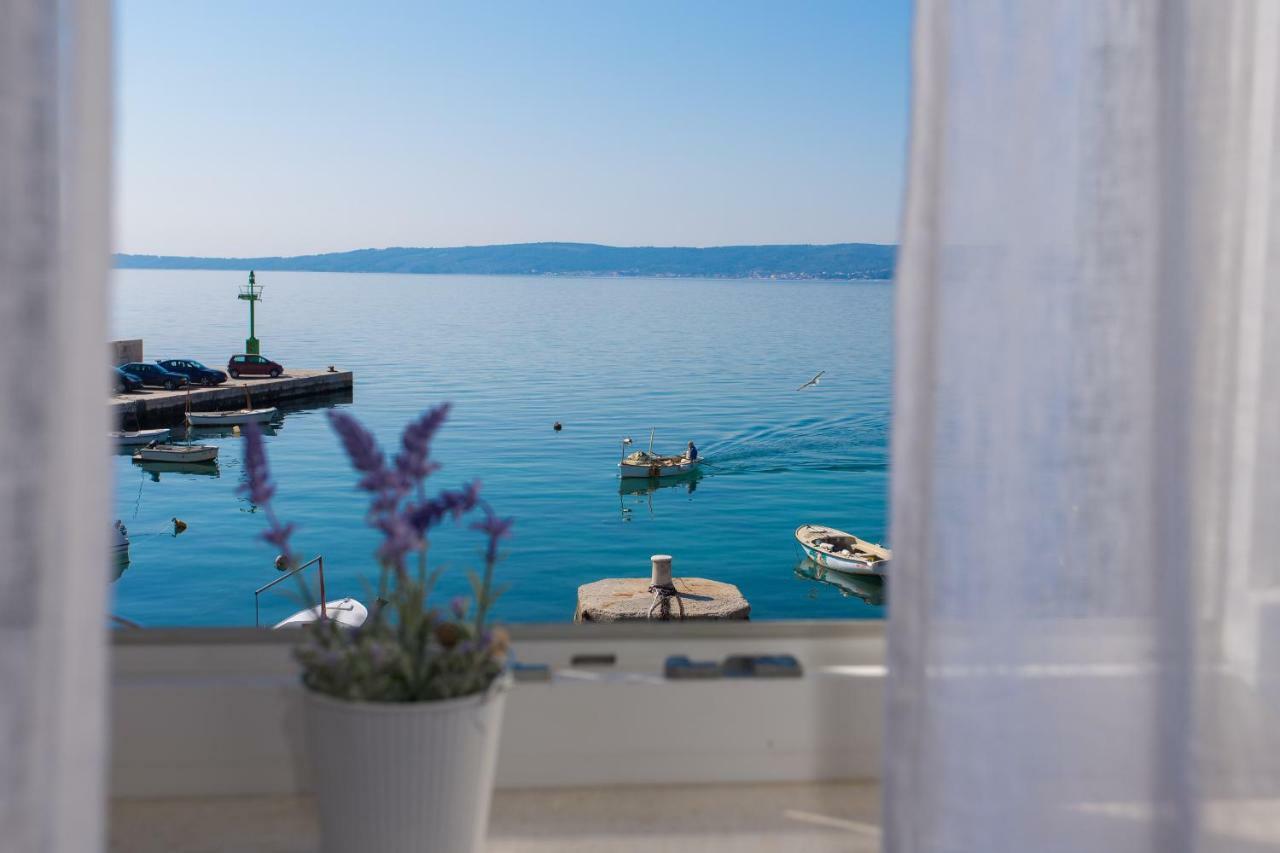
(123, 352)
(209, 713)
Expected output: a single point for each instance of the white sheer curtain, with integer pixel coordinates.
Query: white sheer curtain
(54, 111)
(1085, 607)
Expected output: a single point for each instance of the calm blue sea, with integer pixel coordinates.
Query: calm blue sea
(716, 361)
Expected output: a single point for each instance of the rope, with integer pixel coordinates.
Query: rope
(662, 595)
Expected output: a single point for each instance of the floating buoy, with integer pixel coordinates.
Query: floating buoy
(556, 426)
(178, 526)
(282, 562)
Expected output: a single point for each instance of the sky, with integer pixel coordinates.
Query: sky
(283, 128)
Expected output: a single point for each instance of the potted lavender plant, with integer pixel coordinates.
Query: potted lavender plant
(402, 713)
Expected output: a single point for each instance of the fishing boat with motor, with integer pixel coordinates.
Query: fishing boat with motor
(185, 453)
(646, 463)
(137, 438)
(844, 552)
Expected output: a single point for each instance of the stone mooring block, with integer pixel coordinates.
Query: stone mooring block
(628, 599)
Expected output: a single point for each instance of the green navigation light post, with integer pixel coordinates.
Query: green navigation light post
(251, 294)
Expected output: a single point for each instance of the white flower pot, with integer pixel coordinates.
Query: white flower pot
(404, 777)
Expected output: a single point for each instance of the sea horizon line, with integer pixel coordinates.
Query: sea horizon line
(767, 260)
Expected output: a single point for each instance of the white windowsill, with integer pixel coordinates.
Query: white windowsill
(832, 816)
(214, 712)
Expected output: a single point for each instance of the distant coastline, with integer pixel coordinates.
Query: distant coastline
(837, 261)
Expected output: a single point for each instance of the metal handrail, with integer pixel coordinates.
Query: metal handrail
(284, 577)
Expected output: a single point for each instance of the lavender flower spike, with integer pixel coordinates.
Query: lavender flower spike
(260, 490)
(257, 486)
(399, 538)
(361, 448)
(425, 515)
(413, 460)
(496, 529)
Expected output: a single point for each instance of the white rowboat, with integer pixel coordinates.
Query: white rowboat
(344, 611)
(844, 552)
(139, 437)
(643, 464)
(176, 453)
(241, 416)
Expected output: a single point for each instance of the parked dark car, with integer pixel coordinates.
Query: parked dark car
(196, 372)
(122, 381)
(154, 375)
(252, 365)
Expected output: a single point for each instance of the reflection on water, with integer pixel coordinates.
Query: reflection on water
(869, 588)
(201, 433)
(647, 486)
(200, 469)
(637, 492)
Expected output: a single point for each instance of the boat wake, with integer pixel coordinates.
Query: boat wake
(858, 445)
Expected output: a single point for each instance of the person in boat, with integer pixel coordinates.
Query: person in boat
(692, 453)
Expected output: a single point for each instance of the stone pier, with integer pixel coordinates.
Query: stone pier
(155, 407)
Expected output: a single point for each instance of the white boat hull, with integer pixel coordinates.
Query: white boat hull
(843, 564)
(630, 471)
(177, 453)
(344, 611)
(140, 437)
(242, 416)
(873, 559)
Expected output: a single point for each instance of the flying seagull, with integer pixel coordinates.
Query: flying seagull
(813, 381)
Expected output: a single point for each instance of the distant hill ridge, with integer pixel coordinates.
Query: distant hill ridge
(833, 261)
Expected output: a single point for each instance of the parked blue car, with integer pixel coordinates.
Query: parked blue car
(122, 381)
(154, 375)
(196, 372)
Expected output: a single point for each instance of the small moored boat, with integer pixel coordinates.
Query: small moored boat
(844, 552)
(188, 453)
(344, 611)
(139, 437)
(240, 416)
